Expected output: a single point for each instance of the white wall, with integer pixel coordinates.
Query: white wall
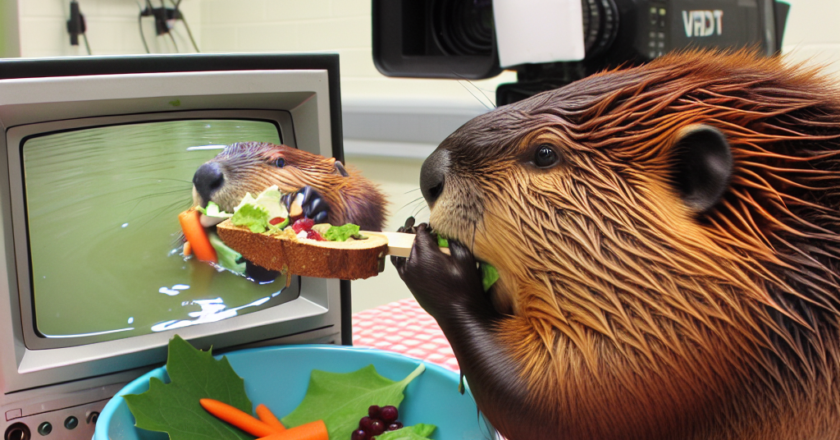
(812, 33)
(112, 28)
(9, 35)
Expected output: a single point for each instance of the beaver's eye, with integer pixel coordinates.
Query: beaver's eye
(545, 156)
(279, 162)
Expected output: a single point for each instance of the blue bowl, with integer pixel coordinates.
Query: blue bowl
(278, 377)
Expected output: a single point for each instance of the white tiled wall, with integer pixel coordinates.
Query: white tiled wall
(112, 28)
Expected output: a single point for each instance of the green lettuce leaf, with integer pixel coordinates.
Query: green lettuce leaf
(420, 431)
(228, 258)
(341, 399)
(342, 233)
(173, 408)
(489, 274)
(255, 217)
(442, 241)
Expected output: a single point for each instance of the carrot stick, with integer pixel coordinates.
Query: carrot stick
(236, 417)
(187, 249)
(194, 232)
(269, 418)
(316, 430)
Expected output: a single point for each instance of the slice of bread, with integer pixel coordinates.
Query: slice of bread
(349, 260)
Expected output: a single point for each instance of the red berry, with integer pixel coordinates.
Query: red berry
(373, 411)
(395, 426)
(276, 220)
(365, 423)
(359, 434)
(314, 235)
(304, 224)
(377, 427)
(388, 414)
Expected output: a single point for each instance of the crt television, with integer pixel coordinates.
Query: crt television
(96, 161)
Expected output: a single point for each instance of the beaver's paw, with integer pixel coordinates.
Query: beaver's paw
(442, 284)
(408, 227)
(314, 205)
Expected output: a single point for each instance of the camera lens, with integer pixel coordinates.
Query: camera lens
(600, 25)
(463, 27)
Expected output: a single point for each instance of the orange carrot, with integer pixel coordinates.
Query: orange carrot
(187, 249)
(269, 418)
(316, 430)
(194, 232)
(236, 417)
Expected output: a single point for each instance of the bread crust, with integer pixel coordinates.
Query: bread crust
(342, 260)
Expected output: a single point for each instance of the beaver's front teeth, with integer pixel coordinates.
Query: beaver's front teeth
(208, 222)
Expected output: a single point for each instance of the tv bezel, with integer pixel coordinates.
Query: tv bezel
(53, 367)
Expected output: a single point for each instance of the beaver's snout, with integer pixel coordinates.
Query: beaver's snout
(432, 175)
(207, 179)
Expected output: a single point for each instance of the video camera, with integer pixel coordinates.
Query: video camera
(457, 39)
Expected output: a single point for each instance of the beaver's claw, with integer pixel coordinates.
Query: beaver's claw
(442, 284)
(409, 226)
(314, 205)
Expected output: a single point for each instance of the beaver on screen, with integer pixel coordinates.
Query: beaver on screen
(326, 190)
(668, 241)
(330, 192)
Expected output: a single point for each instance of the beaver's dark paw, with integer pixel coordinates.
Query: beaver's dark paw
(314, 205)
(441, 283)
(408, 227)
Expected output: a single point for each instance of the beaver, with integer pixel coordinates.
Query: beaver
(329, 192)
(668, 243)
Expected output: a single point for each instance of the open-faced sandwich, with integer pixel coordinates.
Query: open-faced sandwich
(264, 232)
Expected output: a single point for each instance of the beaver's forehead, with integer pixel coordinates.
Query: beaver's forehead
(248, 148)
(491, 130)
(267, 150)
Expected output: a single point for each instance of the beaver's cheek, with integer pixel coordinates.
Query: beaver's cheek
(457, 212)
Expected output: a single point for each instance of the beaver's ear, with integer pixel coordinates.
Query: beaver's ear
(702, 166)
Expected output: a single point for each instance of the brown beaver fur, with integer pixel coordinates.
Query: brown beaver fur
(251, 167)
(624, 312)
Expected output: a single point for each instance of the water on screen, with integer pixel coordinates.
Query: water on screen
(102, 206)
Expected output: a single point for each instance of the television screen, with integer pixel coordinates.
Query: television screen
(104, 239)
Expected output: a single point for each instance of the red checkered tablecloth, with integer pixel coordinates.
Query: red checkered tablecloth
(403, 327)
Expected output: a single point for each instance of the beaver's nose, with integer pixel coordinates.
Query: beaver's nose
(207, 179)
(432, 175)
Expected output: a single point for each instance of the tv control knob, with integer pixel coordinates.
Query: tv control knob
(71, 422)
(45, 428)
(91, 417)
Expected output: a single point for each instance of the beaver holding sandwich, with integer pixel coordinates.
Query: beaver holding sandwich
(668, 244)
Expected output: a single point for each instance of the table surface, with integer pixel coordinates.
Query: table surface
(403, 327)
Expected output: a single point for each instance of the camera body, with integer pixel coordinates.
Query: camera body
(456, 38)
